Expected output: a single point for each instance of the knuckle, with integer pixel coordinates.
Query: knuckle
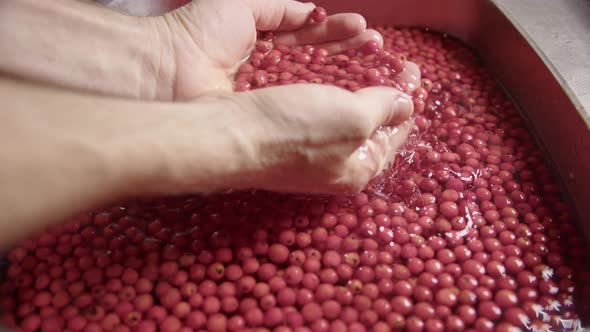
(354, 178)
(355, 188)
(349, 188)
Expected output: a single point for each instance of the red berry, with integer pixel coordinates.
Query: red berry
(319, 15)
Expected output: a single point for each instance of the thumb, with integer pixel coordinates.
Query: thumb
(386, 106)
(280, 15)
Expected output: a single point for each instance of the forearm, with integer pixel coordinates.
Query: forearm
(64, 153)
(82, 46)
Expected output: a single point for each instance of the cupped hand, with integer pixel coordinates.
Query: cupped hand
(323, 139)
(300, 138)
(205, 41)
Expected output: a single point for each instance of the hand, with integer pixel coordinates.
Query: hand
(332, 143)
(301, 138)
(206, 40)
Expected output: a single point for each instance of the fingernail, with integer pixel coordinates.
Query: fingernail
(404, 106)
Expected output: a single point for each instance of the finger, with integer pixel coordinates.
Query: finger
(280, 15)
(380, 150)
(369, 160)
(411, 75)
(388, 106)
(390, 140)
(337, 27)
(335, 47)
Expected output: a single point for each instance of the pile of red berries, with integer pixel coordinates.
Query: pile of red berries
(271, 65)
(467, 232)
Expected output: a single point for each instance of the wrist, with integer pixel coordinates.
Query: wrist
(201, 146)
